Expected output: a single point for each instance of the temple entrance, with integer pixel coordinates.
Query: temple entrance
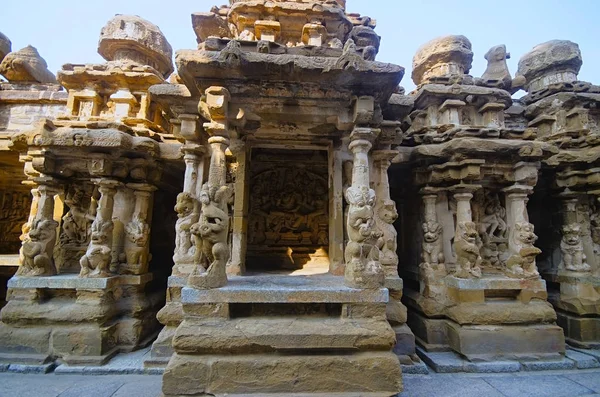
(288, 229)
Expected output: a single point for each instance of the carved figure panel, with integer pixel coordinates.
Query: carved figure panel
(571, 246)
(493, 230)
(467, 251)
(289, 201)
(14, 211)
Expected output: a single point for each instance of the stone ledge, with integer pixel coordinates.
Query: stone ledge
(498, 283)
(9, 260)
(73, 281)
(284, 289)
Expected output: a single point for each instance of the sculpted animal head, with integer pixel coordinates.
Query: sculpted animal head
(101, 232)
(467, 231)
(524, 233)
(185, 205)
(497, 54)
(431, 231)
(360, 197)
(42, 230)
(138, 232)
(572, 234)
(387, 212)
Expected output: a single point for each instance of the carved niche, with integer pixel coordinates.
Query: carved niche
(14, 211)
(289, 204)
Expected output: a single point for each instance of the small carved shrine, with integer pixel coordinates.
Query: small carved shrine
(275, 215)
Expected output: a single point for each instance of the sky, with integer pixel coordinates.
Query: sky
(67, 31)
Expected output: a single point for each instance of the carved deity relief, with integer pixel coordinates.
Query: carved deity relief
(185, 250)
(289, 207)
(76, 222)
(14, 209)
(571, 246)
(493, 231)
(521, 263)
(468, 257)
(211, 236)
(595, 228)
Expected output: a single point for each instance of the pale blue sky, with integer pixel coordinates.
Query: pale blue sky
(66, 31)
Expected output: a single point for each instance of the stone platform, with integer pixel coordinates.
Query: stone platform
(264, 335)
(74, 319)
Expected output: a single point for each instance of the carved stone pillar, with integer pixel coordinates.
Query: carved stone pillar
(432, 256)
(574, 258)
(237, 264)
(363, 266)
(211, 231)
(468, 257)
(36, 255)
(97, 259)
(137, 245)
(188, 211)
(522, 253)
(386, 213)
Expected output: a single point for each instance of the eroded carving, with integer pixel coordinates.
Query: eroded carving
(468, 257)
(571, 246)
(521, 264)
(96, 261)
(38, 248)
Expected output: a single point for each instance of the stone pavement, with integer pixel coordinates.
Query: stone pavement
(523, 384)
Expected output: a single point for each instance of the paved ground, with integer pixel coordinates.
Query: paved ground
(538, 384)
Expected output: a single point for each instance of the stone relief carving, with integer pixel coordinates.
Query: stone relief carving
(468, 255)
(76, 222)
(289, 207)
(210, 235)
(138, 234)
(521, 263)
(362, 254)
(185, 250)
(571, 246)
(97, 259)
(386, 215)
(493, 230)
(433, 250)
(14, 209)
(38, 248)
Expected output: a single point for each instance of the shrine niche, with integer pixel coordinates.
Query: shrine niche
(289, 215)
(14, 210)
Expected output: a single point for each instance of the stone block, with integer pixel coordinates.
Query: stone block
(260, 375)
(256, 335)
(429, 332)
(405, 341)
(550, 365)
(85, 344)
(582, 360)
(502, 313)
(283, 289)
(489, 343)
(24, 341)
(580, 331)
(31, 369)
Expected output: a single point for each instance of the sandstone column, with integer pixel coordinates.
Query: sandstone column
(212, 230)
(386, 213)
(97, 260)
(137, 246)
(466, 237)
(237, 264)
(363, 266)
(37, 251)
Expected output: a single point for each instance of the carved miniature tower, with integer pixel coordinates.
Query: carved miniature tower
(84, 290)
(477, 272)
(285, 92)
(564, 111)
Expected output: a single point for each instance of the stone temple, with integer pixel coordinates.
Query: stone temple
(273, 214)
